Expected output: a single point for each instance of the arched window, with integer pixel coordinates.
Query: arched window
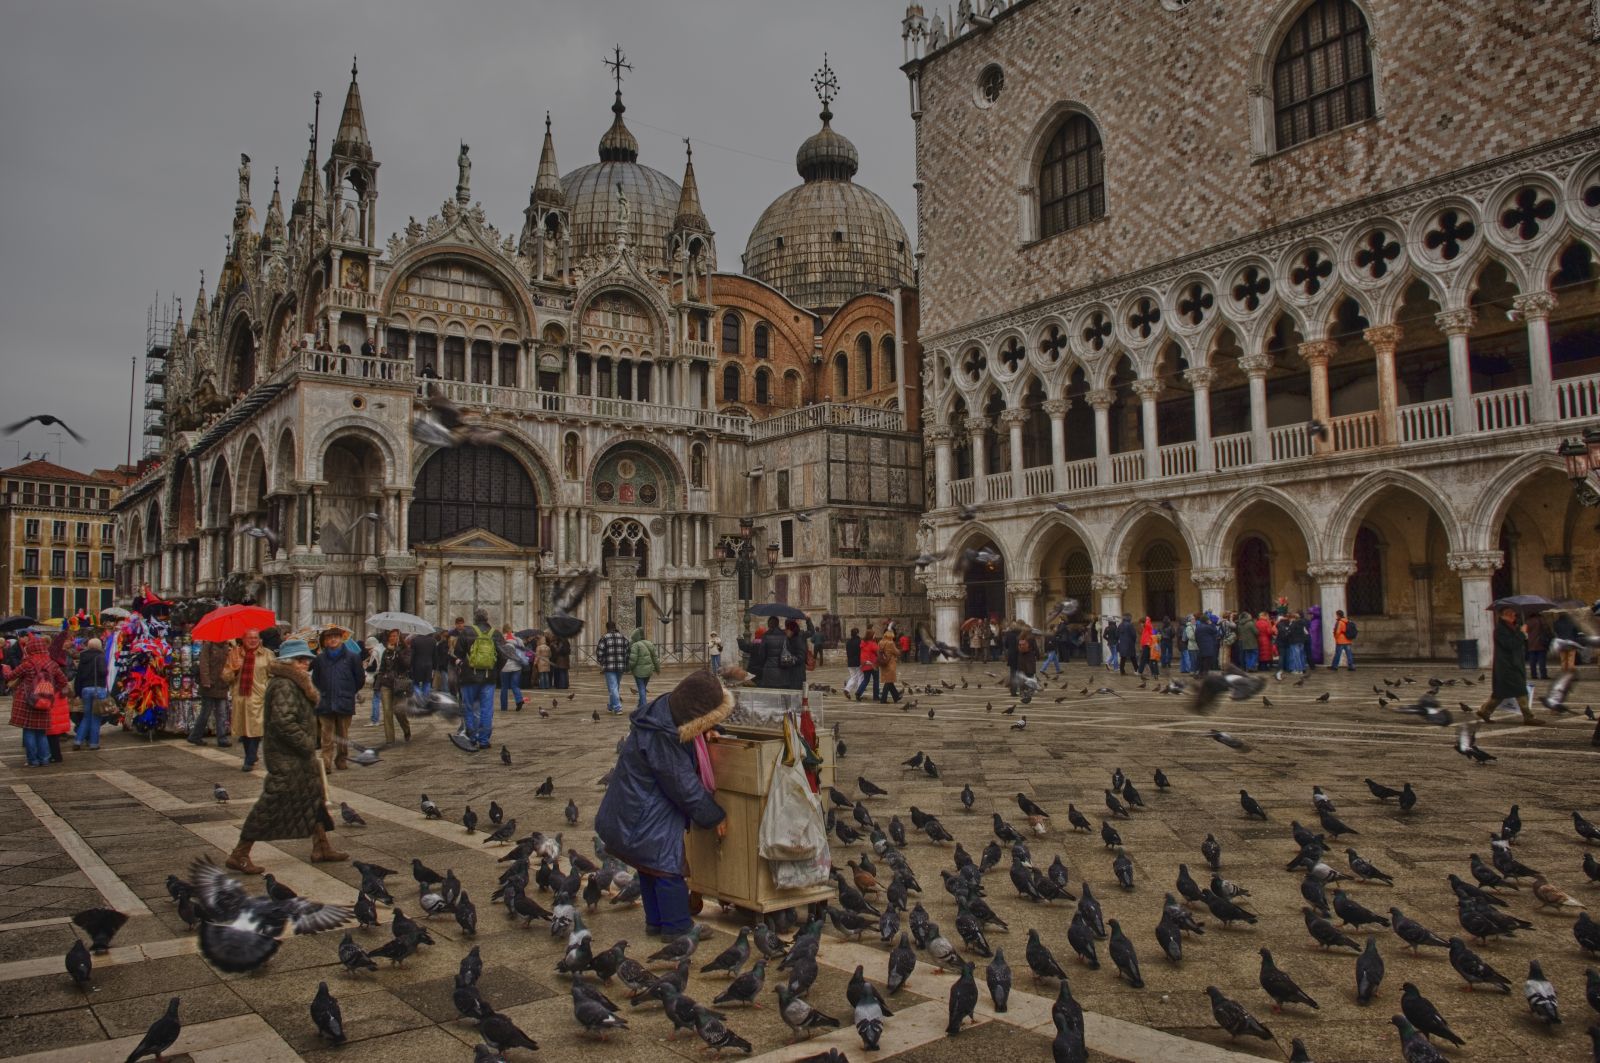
(761, 341)
(730, 333)
(1160, 567)
(841, 376)
(1078, 575)
(730, 384)
(1072, 181)
(1252, 573)
(793, 389)
(864, 360)
(474, 487)
(1322, 76)
(763, 387)
(889, 372)
(626, 538)
(1363, 592)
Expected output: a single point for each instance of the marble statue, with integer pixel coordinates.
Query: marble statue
(244, 178)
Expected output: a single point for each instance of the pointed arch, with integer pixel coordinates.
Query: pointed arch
(1482, 528)
(1116, 542)
(1223, 532)
(1346, 517)
(1041, 541)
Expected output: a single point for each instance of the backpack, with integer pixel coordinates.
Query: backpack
(481, 657)
(1350, 629)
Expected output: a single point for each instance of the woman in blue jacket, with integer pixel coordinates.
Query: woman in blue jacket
(656, 794)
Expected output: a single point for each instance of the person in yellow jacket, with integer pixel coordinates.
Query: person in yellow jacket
(888, 666)
(246, 674)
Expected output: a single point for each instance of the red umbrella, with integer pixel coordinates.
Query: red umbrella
(232, 621)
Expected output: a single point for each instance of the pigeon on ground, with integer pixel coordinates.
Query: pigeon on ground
(1233, 1018)
(1225, 910)
(1211, 849)
(429, 809)
(1040, 960)
(1541, 995)
(469, 819)
(353, 956)
(219, 794)
(1470, 966)
(1414, 1047)
(1123, 955)
(1251, 806)
(1369, 972)
(963, 1001)
(504, 1034)
(1279, 986)
(351, 817)
(326, 1015)
(745, 988)
(424, 875)
(798, 1014)
(1412, 932)
(1421, 1013)
(277, 890)
(902, 962)
(1325, 933)
(503, 833)
(80, 965)
(1354, 913)
(593, 1016)
(1081, 936)
(1366, 871)
(716, 1035)
(160, 1036)
(997, 976)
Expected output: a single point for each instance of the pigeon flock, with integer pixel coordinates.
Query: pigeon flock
(1011, 868)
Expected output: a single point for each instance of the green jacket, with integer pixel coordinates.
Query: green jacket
(643, 660)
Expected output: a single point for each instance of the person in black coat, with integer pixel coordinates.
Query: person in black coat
(852, 660)
(1127, 644)
(1207, 640)
(423, 649)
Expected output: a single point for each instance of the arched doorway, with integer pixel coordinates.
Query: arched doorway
(1159, 567)
(985, 583)
(1252, 574)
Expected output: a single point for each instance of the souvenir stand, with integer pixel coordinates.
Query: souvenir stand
(744, 758)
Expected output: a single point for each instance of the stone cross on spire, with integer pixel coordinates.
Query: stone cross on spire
(826, 84)
(618, 63)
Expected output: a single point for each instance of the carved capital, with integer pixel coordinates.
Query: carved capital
(1255, 364)
(1475, 563)
(1256, 90)
(1211, 578)
(1147, 389)
(1022, 588)
(1102, 398)
(1558, 562)
(940, 434)
(1109, 583)
(946, 594)
(1336, 571)
(1535, 305)
(1317, 352)
(1010, 418)
(1201, 376)
(977, 426)
(1456, 322)
(1057, 407)
(1384, 338)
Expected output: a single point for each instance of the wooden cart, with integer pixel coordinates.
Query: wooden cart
(729, 870)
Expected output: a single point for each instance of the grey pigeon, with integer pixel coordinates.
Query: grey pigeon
(1412, 932)
(326, 1015)
(1353, 913)
(1421, 1013)
(997, 975)
(1369, 972)
(745, 988)
(1279, 986)
(1123, 955)
(1470, 966)
(1541, 995)
(1233, 1018)
(160, 1036)
(1414, 1047)
(798, 1014)
(80, 965)
(731, 959)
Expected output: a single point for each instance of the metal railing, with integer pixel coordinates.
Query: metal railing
(1423, 422)
(1506, 408)
(1355, 431)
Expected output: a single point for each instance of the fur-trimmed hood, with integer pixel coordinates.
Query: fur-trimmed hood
(300, 678)
(688, 732)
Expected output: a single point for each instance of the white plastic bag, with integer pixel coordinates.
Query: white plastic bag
(792, 825)
(801, 874)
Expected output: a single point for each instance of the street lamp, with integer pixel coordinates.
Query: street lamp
(739, 558)
(1583, 465)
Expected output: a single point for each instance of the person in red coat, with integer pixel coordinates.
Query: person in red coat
(1264, 646)
(38, 698)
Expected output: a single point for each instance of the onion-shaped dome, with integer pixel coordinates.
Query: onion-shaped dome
(591, 194)
(829, 239)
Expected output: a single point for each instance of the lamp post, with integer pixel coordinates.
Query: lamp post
(1583, 465)
(740, 559)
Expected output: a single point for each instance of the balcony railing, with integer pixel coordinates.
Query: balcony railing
(1039, 481)
(698, 349)
(1126, 468)
(961, 492)
(1178, 459)
(561, 405)
(1081, 475)
(1355, 431)
(1289, 442)
(829, 415)
(1506, 408)
(1423, 422)
(998, 484)
(1232, 452)
(352, 366)
(1578, 397)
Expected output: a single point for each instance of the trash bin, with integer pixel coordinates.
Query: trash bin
(1467, 653)
(1094, 653)
(744, 758)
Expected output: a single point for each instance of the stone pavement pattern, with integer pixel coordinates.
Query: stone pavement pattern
(145, 810)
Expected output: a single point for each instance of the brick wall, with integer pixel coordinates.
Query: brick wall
(1458, 82)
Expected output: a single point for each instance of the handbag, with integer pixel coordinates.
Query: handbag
(43, 697)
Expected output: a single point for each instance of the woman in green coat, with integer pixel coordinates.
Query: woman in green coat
(644, 661)
(292, 802)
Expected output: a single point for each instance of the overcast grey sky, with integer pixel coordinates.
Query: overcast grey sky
(122, 122)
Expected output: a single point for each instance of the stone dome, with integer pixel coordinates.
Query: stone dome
(591, 194)
(829, 239)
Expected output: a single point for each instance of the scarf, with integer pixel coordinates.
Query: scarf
(247, 673)
(702, 762)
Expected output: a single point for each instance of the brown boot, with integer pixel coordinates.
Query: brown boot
(239, 860)
(1530, 720)
(322, 851)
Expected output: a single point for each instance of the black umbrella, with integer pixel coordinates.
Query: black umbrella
(778, 609)
(1523, 603)
(17, 623)
(529, 633)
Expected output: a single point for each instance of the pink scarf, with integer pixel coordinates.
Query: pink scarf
(702, 762)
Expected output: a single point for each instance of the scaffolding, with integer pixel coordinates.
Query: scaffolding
(157, 345)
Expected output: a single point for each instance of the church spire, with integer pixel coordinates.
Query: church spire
(305, 197)
(274, 232)
(618, 145)
(198, 322)
(689, 216)
(547, 185)
(351, 140)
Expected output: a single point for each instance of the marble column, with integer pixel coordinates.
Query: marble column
(977, 429)
(305, 589)
(623, 575)
(1535, 308)
(1148, 391)
(1331, 578)
(1384, 341)
(1102, 400)
(1056, 410)
(1213, 584)
(1560, 568)
(1110, 589)
(1255, 368)
(1201, 378)
(940, 435)
(946, 600)
(1317, 354)
(393, 587)
(1024, 594)
(1476, 569)
(1422, 607)
(1014, 420)
(1456, 324)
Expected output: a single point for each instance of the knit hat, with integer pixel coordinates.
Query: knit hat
(698, 703)
(292, 648)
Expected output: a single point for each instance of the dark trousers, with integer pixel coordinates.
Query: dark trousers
(666, 903)
(1536, 664)
(873, 675)
(1146, 661)
(1208, 663)
(888, 691)
(252, 750)
(558, 678)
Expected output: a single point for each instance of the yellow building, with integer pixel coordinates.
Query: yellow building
(57, 539)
